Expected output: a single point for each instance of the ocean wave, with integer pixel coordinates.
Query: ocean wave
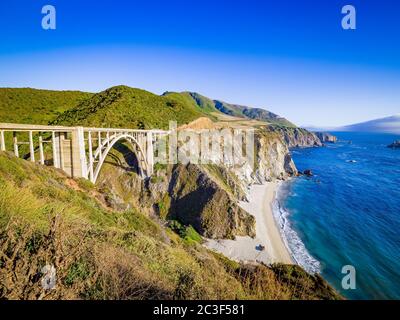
(292, 240)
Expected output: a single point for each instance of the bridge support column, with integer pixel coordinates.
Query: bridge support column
(31, 147)
(150, 153)
(15, 142)
(56, 149)
(2, 142)
(79, 165)
(41, 151)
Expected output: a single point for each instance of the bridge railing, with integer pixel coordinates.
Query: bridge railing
(47, 128)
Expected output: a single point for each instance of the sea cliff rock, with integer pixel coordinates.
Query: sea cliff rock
(326, 137)
(204, 196)
(273, 158)
(198, 200)
(308, 173)
(297, 137)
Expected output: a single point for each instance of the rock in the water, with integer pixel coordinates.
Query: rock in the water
(395, 145)
(308, 173)
(326, 137)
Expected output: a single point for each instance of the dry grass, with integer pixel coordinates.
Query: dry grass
(25, 251)
(99, 253)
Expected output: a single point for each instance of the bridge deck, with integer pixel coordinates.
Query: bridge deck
(46, 128)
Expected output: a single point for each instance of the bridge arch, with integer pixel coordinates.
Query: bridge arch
(101, 153)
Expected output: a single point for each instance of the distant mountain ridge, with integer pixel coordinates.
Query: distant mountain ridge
(384, 125)
(292, 135)
(236, 110)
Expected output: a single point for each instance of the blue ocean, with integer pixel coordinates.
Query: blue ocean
(348, 213)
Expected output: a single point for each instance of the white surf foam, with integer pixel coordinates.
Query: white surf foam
(292, 240)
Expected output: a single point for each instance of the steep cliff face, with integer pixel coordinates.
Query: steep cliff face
(326, 137)
(204, 196)
(200, 200)
(297, 137)
(273, 158)
(272, 161)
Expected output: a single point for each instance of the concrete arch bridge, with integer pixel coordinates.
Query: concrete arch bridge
(79, 151)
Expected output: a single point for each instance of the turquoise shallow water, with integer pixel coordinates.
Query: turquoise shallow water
(347, 214)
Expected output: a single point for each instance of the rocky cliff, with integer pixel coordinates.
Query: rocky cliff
(200, 200)
(204, 196)
(192, 194)
(297, 137)
(272, 161)
(326, 137)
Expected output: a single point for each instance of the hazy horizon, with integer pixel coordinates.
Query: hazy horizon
(258, 54)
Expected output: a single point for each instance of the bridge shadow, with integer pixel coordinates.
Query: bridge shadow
(128, 162)
(185, 206)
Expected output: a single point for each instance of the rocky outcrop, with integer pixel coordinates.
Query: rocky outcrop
(308, 173)
(326, 137)
(273, 158)
(198, 200)
(204, 196)
(394, 145)
(297, 137)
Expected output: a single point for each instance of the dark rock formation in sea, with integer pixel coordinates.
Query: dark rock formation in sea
(308, 173)
(394, 145)
(326, 137)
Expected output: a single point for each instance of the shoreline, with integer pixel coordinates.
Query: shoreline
(246, 249)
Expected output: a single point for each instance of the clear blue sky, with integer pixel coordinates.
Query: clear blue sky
(291, 57)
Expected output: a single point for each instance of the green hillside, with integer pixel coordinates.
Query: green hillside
(127, 107)
(119, 106)
(210, 107)
(25, 105)
(252, 113)
(206, 104)
(99, 253)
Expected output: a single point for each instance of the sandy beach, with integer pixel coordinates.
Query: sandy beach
(267, 233)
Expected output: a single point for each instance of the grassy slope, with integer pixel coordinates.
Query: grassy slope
(103, 254)
(253, 113)
(210, 106)
(34, 106)
(203, 102)
(127, 107)
(119, 106)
